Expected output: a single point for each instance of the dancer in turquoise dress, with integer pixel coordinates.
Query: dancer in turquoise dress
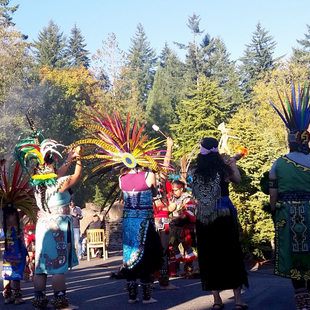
(54, 230)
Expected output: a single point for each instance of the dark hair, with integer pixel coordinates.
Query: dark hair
(49, 159)
(9, 210)
(178, 182)
(298, 147)
(210, 164)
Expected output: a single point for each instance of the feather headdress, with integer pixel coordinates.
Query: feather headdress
(15, 191)
(296, 114)
(41, 153)
(117, 144)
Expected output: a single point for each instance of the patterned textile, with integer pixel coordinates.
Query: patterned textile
(14, 257)
(183, 230)
(184, 205)
(52, 251)
(53, 232)
(208, 196)
(53, 199)
(218, 237)
(292, 220)
(137, 216)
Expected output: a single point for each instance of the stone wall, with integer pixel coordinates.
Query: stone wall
(113, 223)
(114, 227)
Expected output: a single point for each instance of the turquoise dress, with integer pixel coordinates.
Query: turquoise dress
(53, 232)
(142, 250)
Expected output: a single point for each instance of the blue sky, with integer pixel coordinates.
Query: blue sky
(233, 21)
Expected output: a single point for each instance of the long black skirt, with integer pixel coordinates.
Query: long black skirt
(219, 255)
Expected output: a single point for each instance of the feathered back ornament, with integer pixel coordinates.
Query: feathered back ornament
(15, 191)
(117, 144)
(296, 114)
(42, 153)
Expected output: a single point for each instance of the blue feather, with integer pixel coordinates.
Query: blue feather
(282, 117)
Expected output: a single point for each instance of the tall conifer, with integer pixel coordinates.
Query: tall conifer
(257, 59)
(198, 116)
(142, 60)
(76, 52)
(166, 92)
(51, 47)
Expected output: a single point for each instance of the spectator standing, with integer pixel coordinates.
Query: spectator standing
(76, 213)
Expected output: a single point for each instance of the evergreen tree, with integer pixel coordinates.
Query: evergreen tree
(211, 59)
(257, 60)
(301, 55)
(76, 52)
(198, 116)
(6, 13)
(216, 65)
(98, 199)
(250, 125)
(263, 133)
(142, 60)
(193, 61)
(214, 59)
(51, 47)
(166, 92)
(165, 55)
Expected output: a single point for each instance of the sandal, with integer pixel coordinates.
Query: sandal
(217, 306)
(241, 306)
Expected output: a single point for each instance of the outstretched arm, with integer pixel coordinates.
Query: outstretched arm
(72, 180)
(64, 168)
(235, 177)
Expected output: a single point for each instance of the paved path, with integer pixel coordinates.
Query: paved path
(90, 287)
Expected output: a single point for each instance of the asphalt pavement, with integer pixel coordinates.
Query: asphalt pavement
(90, 286)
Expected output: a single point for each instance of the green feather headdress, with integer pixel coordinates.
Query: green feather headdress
(32, 150)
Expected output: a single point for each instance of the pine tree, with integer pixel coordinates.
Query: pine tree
(301, 55)
(51, 47)
(166, 92)
(76, 52)
(211, 59)
(217, 66)
(257, 60)
(263, 133)
(192, 61)
(98, 199)
(6, 12)
(198, 116)
(142, 59)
